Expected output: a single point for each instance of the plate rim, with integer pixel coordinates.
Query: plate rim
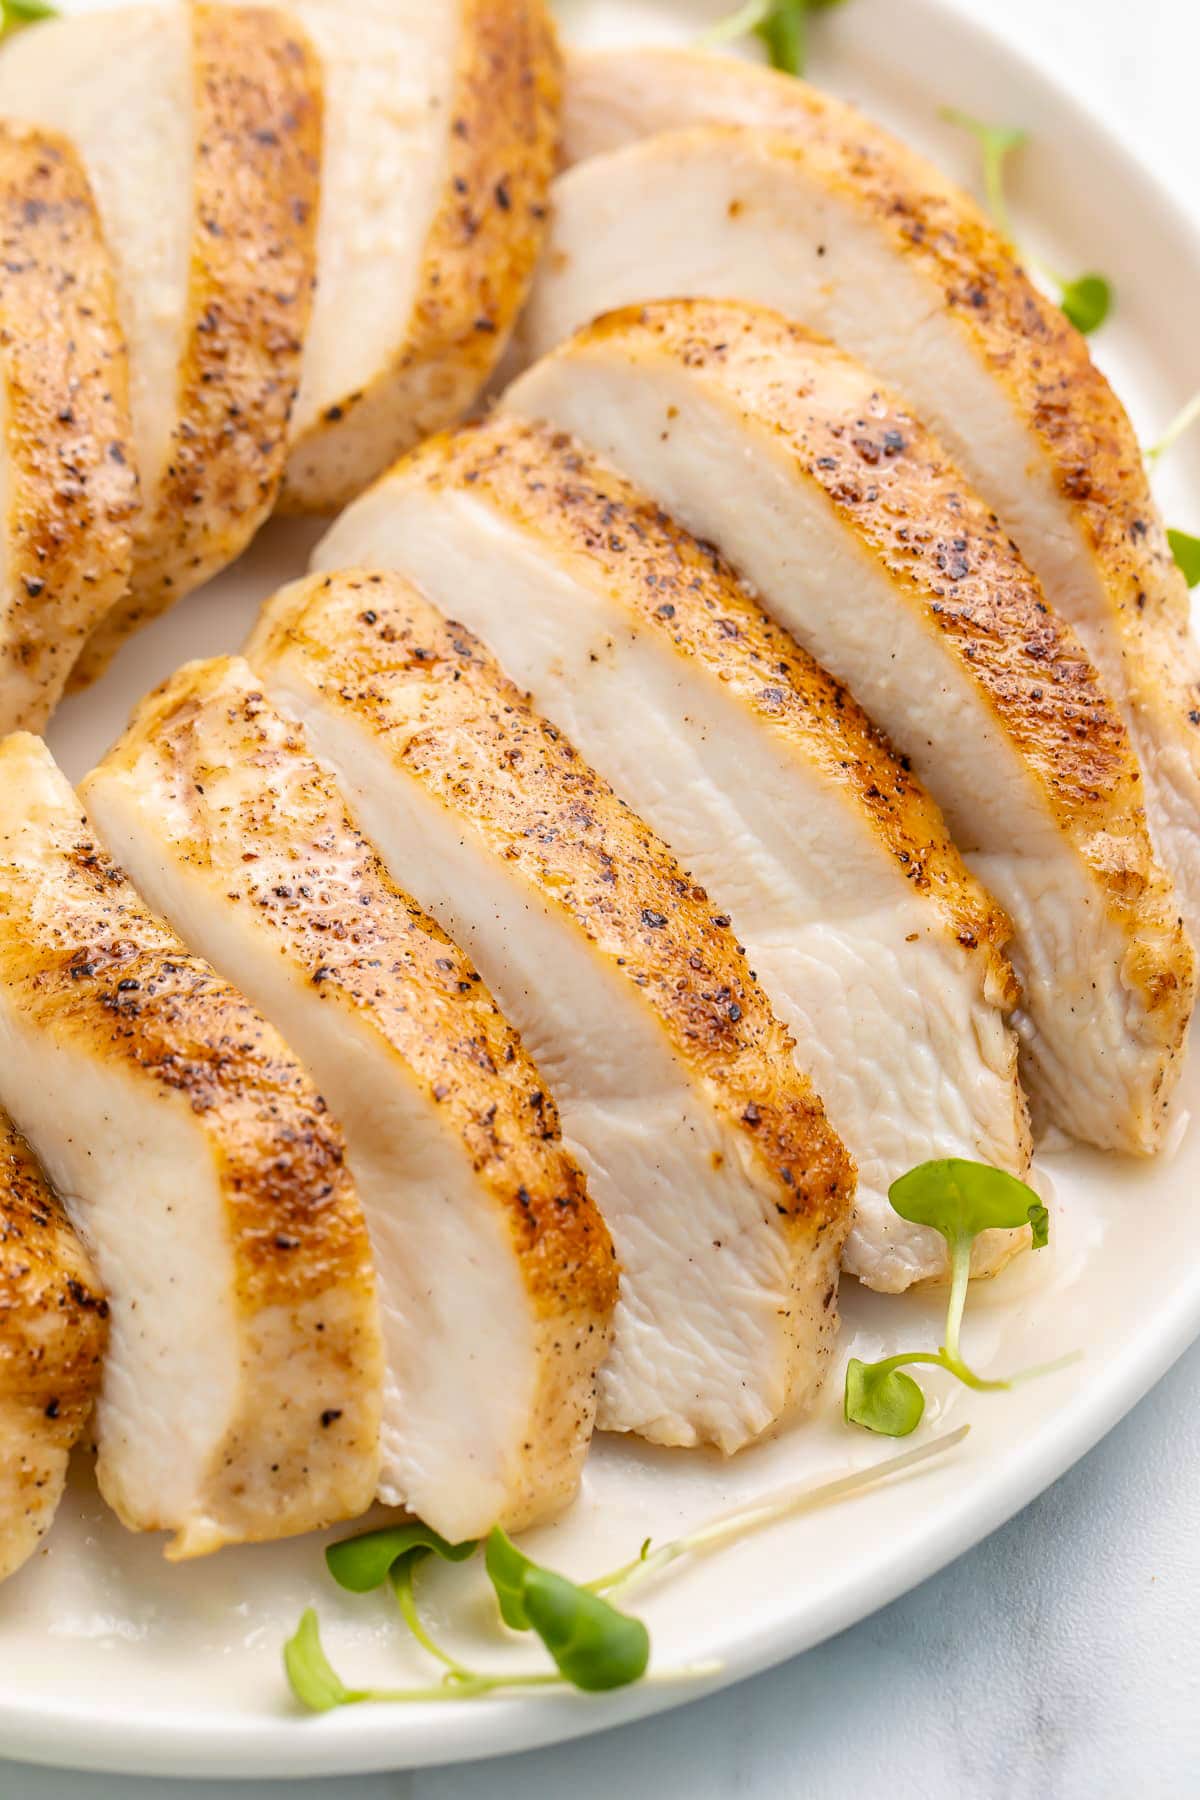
(163, 1744)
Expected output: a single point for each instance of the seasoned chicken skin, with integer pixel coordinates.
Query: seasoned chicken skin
(68, 481)
(200, 127)
(441, 134)
(725, 1189)
(860, 536)
(878, 949)
(852, 233)
(242, 1389)
(496, 1274)
(53, 1325)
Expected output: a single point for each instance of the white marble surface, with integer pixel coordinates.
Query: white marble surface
(1061, 1659)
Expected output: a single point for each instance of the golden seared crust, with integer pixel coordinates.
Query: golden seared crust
(451, 717)
(53, 1328)
(912, 511)
(72, 485)
(593, 517)
(1029, 346)
(370, 946)
(479, 257)
(257, 90)
(88, 966)
(86, 960)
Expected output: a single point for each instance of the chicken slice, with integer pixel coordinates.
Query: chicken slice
(241, 1394)
(851, 233)
(878, 949)
(496, 1274)
(441, 134)
(53, 1326)
(725, 1189)
(200, 129)
(860, 536)
(68, 487)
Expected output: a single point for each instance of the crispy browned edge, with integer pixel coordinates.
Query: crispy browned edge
(372, 949)
(478, 262)
(541, 809)
(888, 479)
(53, 1331)
(364, 939)
(88, 963)
(1027, 343)
(674, 584)
(258, 100)
(72, 484)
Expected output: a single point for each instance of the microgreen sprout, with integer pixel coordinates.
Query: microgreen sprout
(1186, 550)
(786, 1503)
(1184, 547)
(781, 24)
(1087, 299)
(594, 1646)
(16, 13)
(960, 1200)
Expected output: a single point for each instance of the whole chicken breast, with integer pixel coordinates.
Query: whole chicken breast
(441, 135)
(53, 1326)
(859, 535)
(878, 949)
(68, 484)
(725, 1189)
(200, 128)
(242, 1388)
(825, 216)
(496, 1274)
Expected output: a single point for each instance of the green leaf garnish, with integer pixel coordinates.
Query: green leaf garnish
(593, 1645)
(781, 24)
(312, 1680)
(16, 13)
(1087, 302)
(1088, 299)
(996, 142)
(363, 1563)
(1186, 550)
(882, 1398)
(959, 1199)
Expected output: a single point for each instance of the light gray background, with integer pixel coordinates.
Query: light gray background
(1061, 1659)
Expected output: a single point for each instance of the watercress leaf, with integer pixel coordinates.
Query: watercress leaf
(508, 1572)
(1186, 551)
(1087, 302)
(312, 1680)
(882, 1399)
(961, 1199)
(364, 1562)
(593, 1645)
(783, 33)
(16, 13)
(1039, 1225)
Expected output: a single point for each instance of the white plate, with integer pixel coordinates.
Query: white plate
(113, 1660)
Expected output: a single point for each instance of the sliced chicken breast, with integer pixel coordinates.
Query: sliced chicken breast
(851, 233)
(242, 1389)
(496, 1274)
(878, 949)
(725, 1189)
(68, 486)
(200, 129)
(861, 537)
(53, 1326)
(441, 134)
